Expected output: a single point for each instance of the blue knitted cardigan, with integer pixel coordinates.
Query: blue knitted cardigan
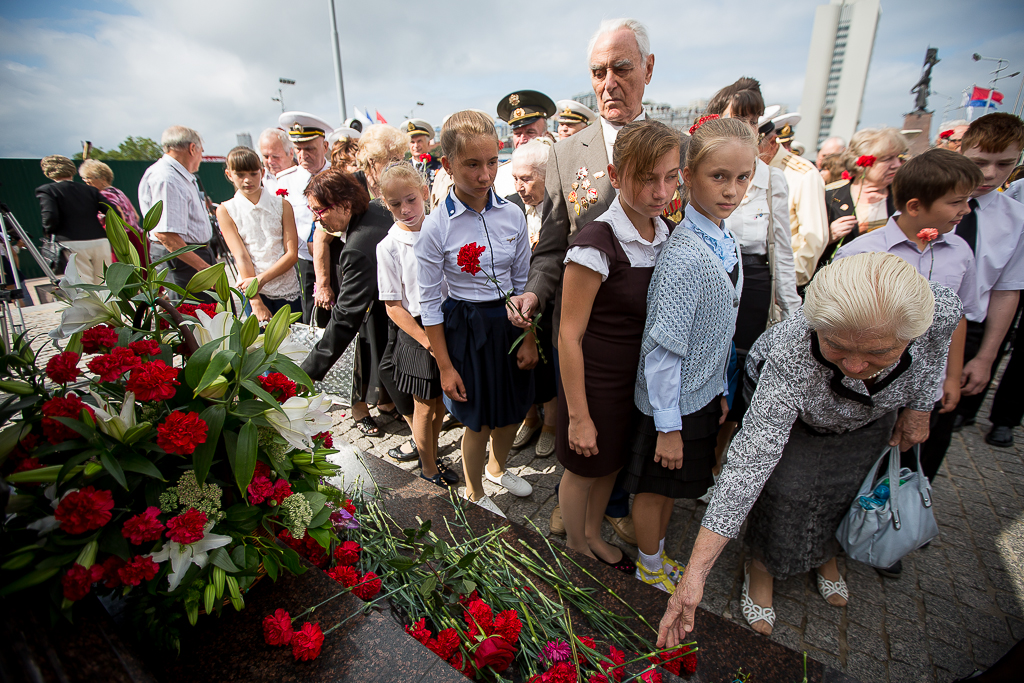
(691, 311)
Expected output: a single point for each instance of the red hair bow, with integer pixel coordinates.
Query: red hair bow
(701, 121)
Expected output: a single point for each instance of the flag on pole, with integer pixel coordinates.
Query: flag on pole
(366, 115)
(980, 97)
(380, 119)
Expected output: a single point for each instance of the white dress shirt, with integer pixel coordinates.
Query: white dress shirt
(749, 224)
(640, 252)
(294, 180)
(396, 269)
(183, 211)
(1016, 190)
(501, 228)
(999, 251)
(611, 131)
(533, 221)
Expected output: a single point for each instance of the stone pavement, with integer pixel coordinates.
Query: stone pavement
(960, 602)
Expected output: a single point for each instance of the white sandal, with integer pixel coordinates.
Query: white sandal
(752, 612)
(829, 588)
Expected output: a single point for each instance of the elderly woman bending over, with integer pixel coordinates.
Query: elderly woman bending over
(854, 371)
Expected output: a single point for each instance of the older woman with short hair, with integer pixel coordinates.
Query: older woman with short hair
(379, 145)
(863, 203)
(100, 176)
(851, 373)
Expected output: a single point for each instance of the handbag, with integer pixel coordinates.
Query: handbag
(338, 380)
(882, 536)
(774, 312)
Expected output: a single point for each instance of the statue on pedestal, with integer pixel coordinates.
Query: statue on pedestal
(923, 87)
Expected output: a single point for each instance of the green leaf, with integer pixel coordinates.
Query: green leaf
(79, 426)
(202, 458)
(257, 390)
(316, 500)
(136, 462)
(320, 517)
(114, 468)
(117, 276)
(245, 456)
(113, 541)
(196, 365)
(152, 217)
(253, 361)
(72, 461)
(466, 561)
(287, 367)
(175, 254)
(240, 511)
(272, 566)
(428, 586)
(137, 432)
(218, 363)
(321, 536)
(403, 564)
(220, 558)
(468, 586)
(249, 408)
(30, 579)
(290, 559)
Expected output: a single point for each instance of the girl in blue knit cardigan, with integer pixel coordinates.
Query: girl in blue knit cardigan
(691, 317)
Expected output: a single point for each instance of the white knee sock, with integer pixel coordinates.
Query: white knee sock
(661, 546)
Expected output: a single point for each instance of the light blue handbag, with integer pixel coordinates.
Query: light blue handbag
(905, 522)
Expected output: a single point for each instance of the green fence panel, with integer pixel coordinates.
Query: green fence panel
(19, 179)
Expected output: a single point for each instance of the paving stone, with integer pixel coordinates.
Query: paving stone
(825, 658)
(934, 584)
(1016, 628)
(945, 631)
(973, 598)
(787, 635)
(1010, 604)
(950, 659)
(789, 610)
(866, 640)
(986, 653)
(909, 652)
(822, 634)
(901, 605)
(867, 588)
(865, 667)
(989, 627)
(909, 673)
(864, 613)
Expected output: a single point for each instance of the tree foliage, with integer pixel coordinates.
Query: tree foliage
(132, 149)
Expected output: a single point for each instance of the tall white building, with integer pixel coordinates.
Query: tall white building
(837, 69)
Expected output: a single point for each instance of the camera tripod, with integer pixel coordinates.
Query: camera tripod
(9, 223)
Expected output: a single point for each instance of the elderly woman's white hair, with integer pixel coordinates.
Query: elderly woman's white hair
(876, 142)
(179, 137)
(643, 41)
(534, 154)
(873, 292)
(282, 137)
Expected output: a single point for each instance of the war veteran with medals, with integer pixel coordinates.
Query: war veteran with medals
(421, 134)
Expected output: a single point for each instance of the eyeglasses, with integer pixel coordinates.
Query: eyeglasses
(319, 213)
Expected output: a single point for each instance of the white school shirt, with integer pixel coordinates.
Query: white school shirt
(640, 252)
(749, 225)
(611, 130)
(396, 269)
(294, 180)
(999, 250)
(501, 228)
(262, 231)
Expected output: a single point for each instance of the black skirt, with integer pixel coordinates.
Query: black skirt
(700, 436)
(479, 335)
(416, 371)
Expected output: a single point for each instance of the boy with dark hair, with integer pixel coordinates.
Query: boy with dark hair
(995, 232)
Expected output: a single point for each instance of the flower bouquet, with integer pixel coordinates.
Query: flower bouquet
(161, 468)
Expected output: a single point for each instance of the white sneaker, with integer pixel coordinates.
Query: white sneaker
(486, 503)
(515, 485)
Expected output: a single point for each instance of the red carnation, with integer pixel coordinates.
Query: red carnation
(306, 642)
(369, 586)
(277, 628)
(946, 134)
(209, 309)
(346, 576)
(325, 438)
(689, 664)
(110, 567)
(446, 644)
(562, 672)
(180, 433)
(63, 367)
(701, 121)
(187, 527)
(282, 489)
(84, 510)
(927, 234)
(111, 366)
(143, 527)
(262, 470)
(494, 652)
(259, 490)
(349, 507)
(614, 668)
(673, 661)
(347, 553)
(426, 158)
(29, 442)
(597, 678)
(140, 568)
(27, 464)
(866, 161)
(279, 386)
(651, 676)
(508, 626)
(588, 645)
(847, 176)
(480, 618)
(281, 192)
(66, 406)
(153, 381)
(419, 631)
(469, 258)
(78, 580)
(97, 338)
(145, 347)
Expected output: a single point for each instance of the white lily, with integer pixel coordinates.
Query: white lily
(85, 309)
(111, 422)
(182, 556)
(217, 327)
(303, 417)
(289, 348)
(45, 525)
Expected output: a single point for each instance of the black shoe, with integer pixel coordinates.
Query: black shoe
(401, 456)
(959, 422)
(450, 422)
(893, 572)
(437, 479)
(451, 477)
(1001, 437)
(625, 565)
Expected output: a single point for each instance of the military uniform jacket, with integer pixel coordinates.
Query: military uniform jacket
(808, 219)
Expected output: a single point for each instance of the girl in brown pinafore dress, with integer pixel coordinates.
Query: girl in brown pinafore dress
(601, 321)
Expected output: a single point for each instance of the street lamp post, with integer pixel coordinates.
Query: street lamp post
(280, 92)
(1001, 65)
(337, 59)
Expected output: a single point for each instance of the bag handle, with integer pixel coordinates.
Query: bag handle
(923, 486)
(771, 254)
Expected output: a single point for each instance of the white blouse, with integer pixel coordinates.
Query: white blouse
(640, 252)
(749, 224)
(262, 231)
(396, 269)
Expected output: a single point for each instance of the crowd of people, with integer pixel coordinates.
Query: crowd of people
(674, 315)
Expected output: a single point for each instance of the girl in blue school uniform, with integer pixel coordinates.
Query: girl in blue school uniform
(485, 387)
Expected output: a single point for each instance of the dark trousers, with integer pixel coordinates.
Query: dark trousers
(307, 278)
(275, 305)
(1007, 406)
(181, 272)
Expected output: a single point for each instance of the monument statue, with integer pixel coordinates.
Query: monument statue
(923, 87)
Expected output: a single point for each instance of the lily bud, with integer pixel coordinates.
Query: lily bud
(250, 331)
(218, 581)
(217, 388)
(253, 289)
(209, 598)
(192, 612)
(118, 237)
(238, 603)
(223, 287)
(277, 330)
(302, 459)
(205, 279)
(87, 557)
(232, 584)
(16, 386)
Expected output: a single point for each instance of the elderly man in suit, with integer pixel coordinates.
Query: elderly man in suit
(621, 65)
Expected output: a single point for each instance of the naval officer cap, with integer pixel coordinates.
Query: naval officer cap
(414, 127)
(764, 122)
(523, 107)
(571, 111)
(784, 124)
(345, 132)
(302, 127)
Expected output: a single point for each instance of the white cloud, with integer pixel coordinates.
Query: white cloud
(214, 65)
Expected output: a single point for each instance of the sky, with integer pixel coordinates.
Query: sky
(102, 70)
